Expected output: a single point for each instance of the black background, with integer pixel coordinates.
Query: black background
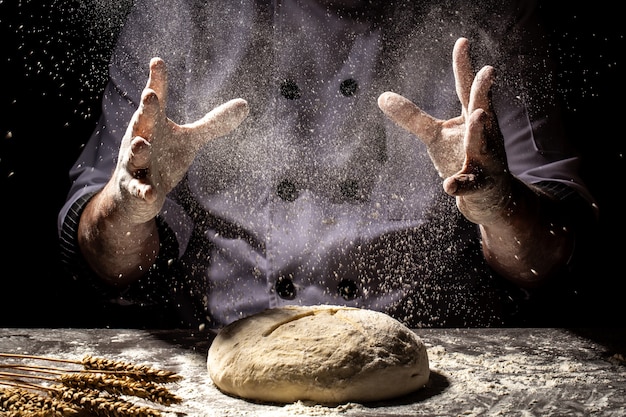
(53, 62)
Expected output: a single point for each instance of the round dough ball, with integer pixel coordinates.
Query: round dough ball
(324, 354)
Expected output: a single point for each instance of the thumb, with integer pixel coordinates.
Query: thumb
(408, 116)
(221, 120)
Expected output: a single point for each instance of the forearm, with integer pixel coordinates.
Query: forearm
(118, 250)
(530, 240)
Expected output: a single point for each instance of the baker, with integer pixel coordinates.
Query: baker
(258, 162)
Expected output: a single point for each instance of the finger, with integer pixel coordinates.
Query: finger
(463, 73)
(140, 184)
(475, 141)
(471, 176)
(142, 189)
(408, 116)
(464, 182)
(479, 95)
(148, 112)
(220, 121)
(157, 80)
(479, 160)
(140, 154)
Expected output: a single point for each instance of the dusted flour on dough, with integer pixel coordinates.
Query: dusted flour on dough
(326, 354)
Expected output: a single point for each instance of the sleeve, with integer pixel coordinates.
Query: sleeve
(529, 110)
(146, 303)
(540, 153)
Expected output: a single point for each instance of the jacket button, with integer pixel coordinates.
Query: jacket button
(347, 289)
(285, 288)
(350, 190)
(287, 191)
(290, 90)
(348, 87)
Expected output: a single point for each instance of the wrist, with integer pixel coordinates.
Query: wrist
(117, 249)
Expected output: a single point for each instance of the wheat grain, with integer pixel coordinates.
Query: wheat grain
(121, 386)
(23, 403)
(141, 371)
(103, 406)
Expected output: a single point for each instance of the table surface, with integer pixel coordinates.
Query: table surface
(474, 372)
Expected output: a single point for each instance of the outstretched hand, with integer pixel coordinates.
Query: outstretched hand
(468, 150)
(156, 153)
(117, 232)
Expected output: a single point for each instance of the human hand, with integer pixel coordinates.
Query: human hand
(468, 150)
(155, 152)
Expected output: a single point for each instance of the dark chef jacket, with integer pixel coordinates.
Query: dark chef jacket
(317, 197)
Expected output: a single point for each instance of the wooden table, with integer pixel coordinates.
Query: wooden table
(474, 372)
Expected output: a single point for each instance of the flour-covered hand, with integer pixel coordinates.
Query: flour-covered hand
(156, 153)
(117, 232)
(468, 150)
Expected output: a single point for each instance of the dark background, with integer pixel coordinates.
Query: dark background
(53, 65)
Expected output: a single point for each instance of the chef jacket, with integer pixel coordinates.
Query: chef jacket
(317, 197)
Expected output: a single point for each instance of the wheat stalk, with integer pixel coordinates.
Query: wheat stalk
(34, 357)
(95, 389)
(104, 365)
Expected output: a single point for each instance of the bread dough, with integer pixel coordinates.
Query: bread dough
(324, 354)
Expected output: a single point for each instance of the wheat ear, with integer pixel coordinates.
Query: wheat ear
(138, 371)
(103, 406)
(23, 403)
(120, 386)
